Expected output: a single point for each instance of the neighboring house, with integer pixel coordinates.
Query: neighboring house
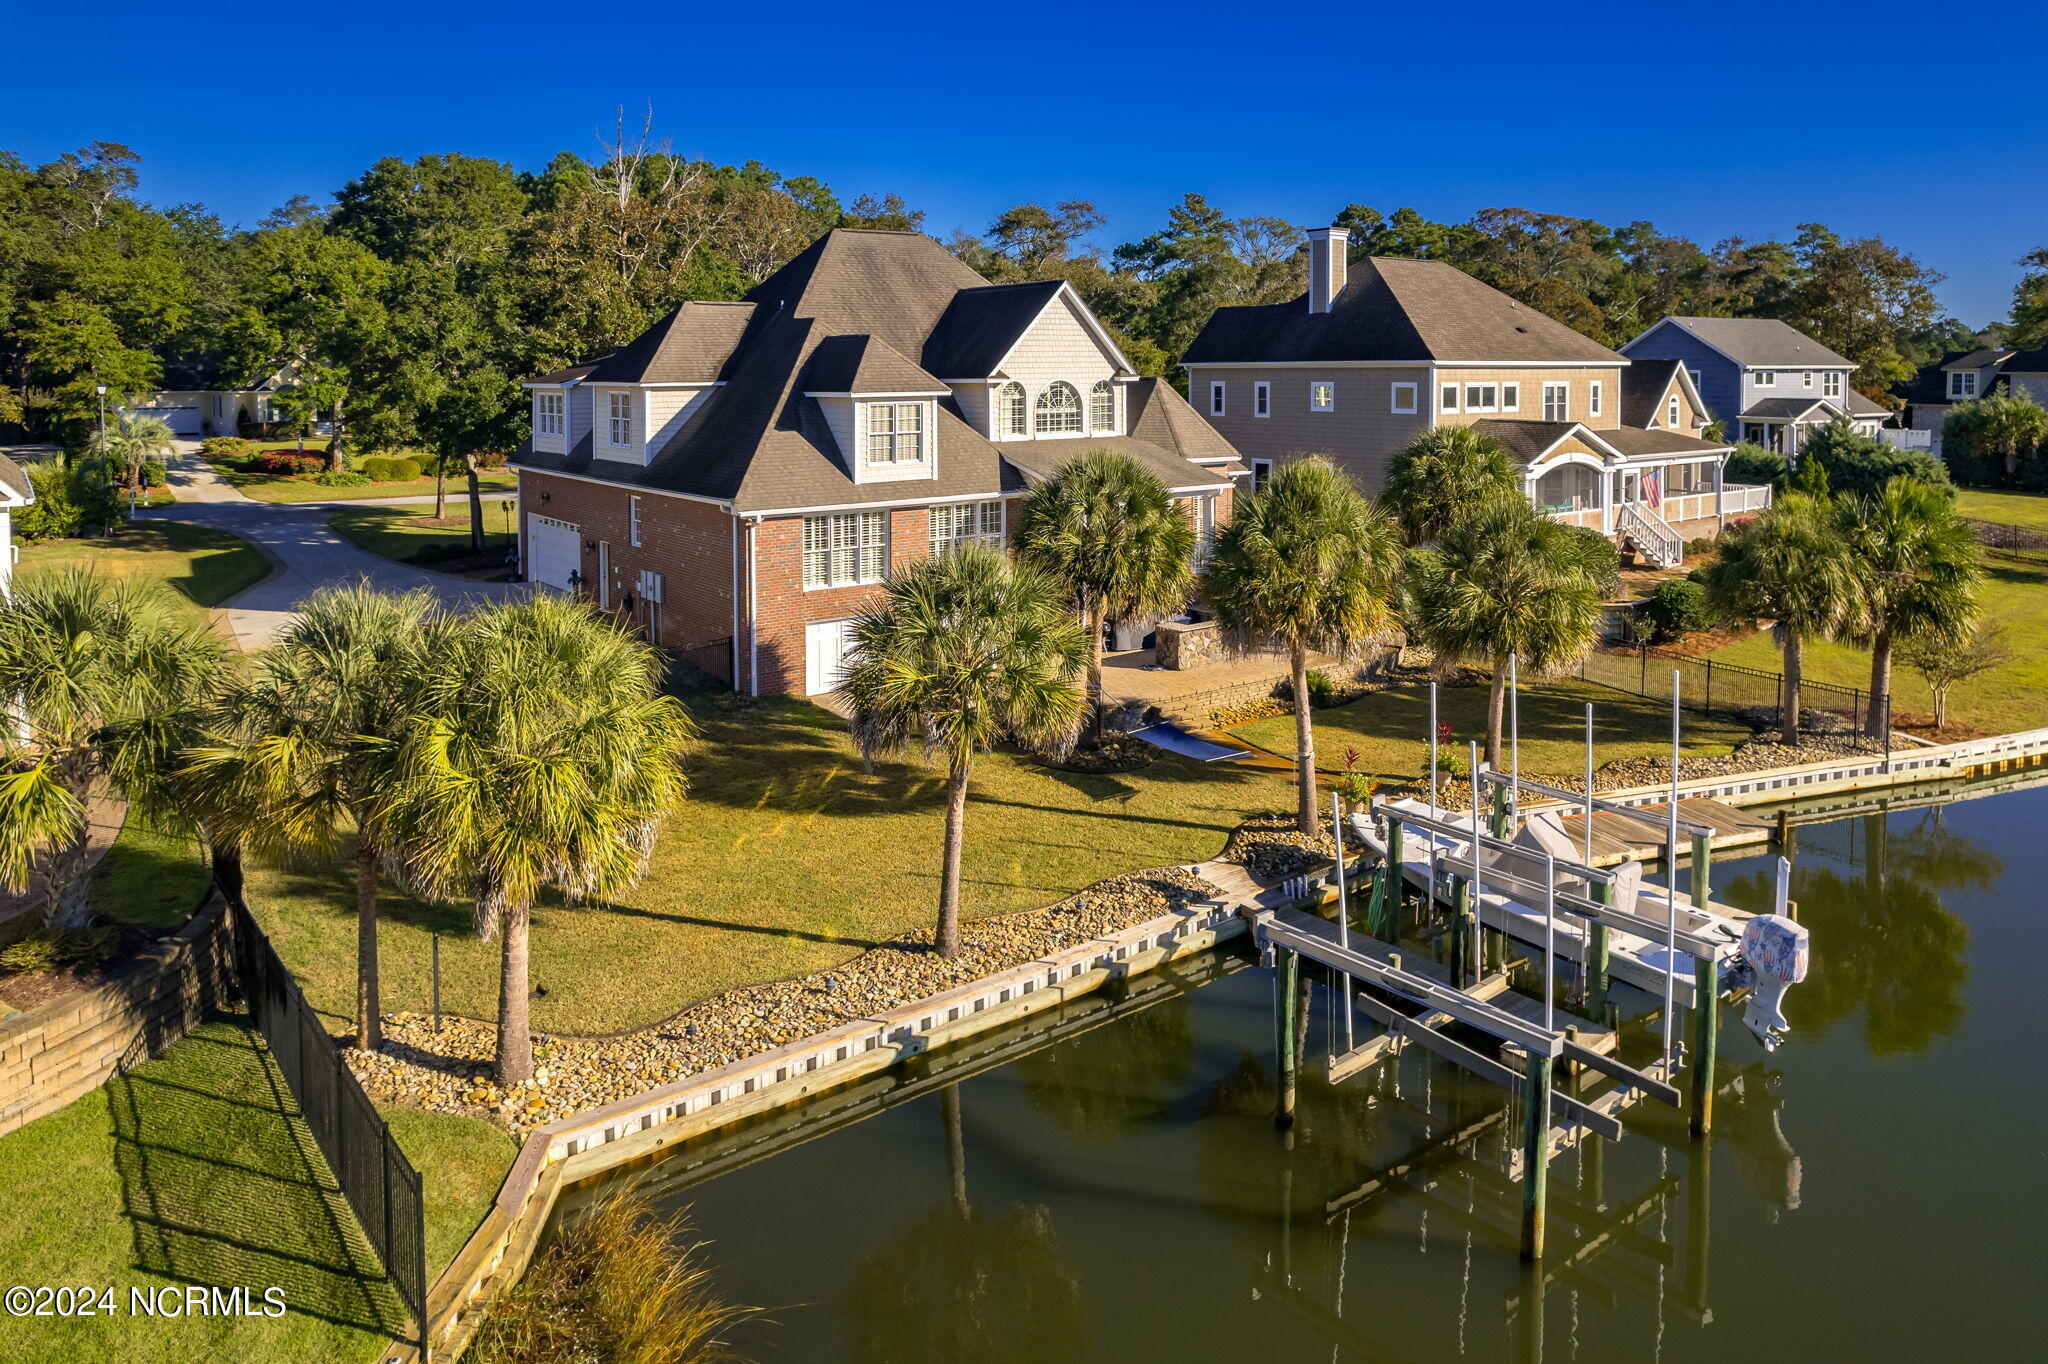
(15, 491)
(200, 399)
(1968, 375)
(740, 477)
(1379, 351)
(1763, 381)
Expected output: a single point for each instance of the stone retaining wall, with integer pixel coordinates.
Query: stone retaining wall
(59, 1052)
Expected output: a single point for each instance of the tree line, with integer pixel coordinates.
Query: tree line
(410, 306)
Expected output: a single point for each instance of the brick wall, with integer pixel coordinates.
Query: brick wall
(689, 543)
(786, 608)
(56, 1054)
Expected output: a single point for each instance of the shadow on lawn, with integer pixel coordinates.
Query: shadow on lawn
(223, 1185)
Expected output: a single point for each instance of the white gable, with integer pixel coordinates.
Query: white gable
(1060, 344)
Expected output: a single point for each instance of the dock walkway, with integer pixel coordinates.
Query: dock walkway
(1621, 838)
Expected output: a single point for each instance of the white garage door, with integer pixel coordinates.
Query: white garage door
(554, 550)
(183, 421)
(826, 644)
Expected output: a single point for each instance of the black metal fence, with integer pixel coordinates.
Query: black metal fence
(1727, 689)
(379, 1181)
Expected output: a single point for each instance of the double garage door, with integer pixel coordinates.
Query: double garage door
(554, 550)
(183, 421)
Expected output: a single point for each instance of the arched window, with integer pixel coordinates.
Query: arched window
(1102, 406)
(1011, 418)
(1059, 409)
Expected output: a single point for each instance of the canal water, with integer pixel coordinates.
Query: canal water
(1108, 1184)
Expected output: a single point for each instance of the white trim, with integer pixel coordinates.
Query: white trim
(754, 606)
(1596, 399)
(1088, 320)
(633, 520)
(1330, 406)
(1394, 397)
(566, 383)
(925, 501)
(1543, 400)
(879, 397)
(1219, 398)
(1262, 398)
(722, 503)
(683, 383)
(1403, 364)
(1516, 405)
(1456, 388)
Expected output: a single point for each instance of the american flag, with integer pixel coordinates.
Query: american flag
(1653, 489)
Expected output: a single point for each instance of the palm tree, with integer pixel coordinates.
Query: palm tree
(544, 757)
(1791, 565)
(2012, 424)
(1107, 528)
(1919, 567)
(1439, 477)
(303, 749)
(136, 439)
(1308, 563)
(103, 677)
(963, 650)
(1505, 583)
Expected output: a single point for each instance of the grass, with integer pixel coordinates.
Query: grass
(195, 1169)
(202, 565)
(149, 876)
(2014, 595)
(412, 535)
(786, 858)
(1390, 729)
(291, 488)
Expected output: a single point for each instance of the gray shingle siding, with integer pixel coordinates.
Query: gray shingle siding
(1720, 379)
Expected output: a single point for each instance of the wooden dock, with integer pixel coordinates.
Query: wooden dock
(1626, 838)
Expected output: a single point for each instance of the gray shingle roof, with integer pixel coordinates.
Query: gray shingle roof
(1635, 442)
(760, 444)
(1524, 441)
(1643, 386)
(689, 346)
(14, 479)
(1753, 341)
(1782, 409)
(1527, 441)
(980, 325)
(2027, 362)
(863, 364)
(1158, 413)
(1976, 359)
(1395, 309)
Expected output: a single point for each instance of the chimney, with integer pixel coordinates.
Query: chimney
(1326, 263)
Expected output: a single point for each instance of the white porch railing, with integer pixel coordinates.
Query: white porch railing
(1661, 544)
(1744, 497)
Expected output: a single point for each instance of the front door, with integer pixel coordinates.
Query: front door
(826, 644)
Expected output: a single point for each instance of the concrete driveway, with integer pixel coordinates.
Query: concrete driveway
(305, 554)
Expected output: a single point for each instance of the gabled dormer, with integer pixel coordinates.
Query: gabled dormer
(1031, 362)
(626, 407)
(881, 409)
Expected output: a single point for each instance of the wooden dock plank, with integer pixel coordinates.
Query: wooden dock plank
(1619, 838)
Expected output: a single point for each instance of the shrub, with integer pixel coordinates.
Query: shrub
(70, 501)
(46, 949)
(226, 447)
(1678, 607)
(1602, 559)
(1322, 691)
(1356, 788)
(1449, 763)
(390, 468)
(1859, 465)
(1703, 544)
(153, 475)
(493, 459)
(286, 462)
(1751, 463)
(341, 478)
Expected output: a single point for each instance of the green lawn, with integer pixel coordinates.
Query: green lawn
(202, 565)
(786, 858)
(2014, 595)
(412, 535)
(1390, 729)
(149, 877)
(195, 1169)
(290, 488)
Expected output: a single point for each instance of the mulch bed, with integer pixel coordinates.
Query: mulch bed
(1111, 754)
(37, 988)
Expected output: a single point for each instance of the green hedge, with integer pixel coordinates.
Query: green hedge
(390, 468)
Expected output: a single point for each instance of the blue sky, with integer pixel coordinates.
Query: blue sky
(1871, 118)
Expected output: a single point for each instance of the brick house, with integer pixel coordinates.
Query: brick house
(1377, 351)
(739, 478)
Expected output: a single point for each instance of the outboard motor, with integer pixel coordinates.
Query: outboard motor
(1776, 950)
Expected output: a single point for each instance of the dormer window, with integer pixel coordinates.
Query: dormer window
(1962, 383)
(1671, 413)
(621, 413)
(1059, 410)
(1102, 407)
(547, 415)
(1012, 414)
(895, 434)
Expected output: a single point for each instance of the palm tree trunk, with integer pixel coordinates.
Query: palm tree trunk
(1788, 721)
(67, 877)
(476, 506)
(949, 877)
(515, 1035)
(1093, 617)
(1496, 704)
(227, 868)
(1304, 746)
(1880, 684)
(1940, 706)
(369, 1016)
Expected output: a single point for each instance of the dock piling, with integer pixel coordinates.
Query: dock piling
(1535, 1152)
(1706, 998)
(1287, 973)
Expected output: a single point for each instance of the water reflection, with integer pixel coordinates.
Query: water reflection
(1106, 1182)
(1884, 941)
